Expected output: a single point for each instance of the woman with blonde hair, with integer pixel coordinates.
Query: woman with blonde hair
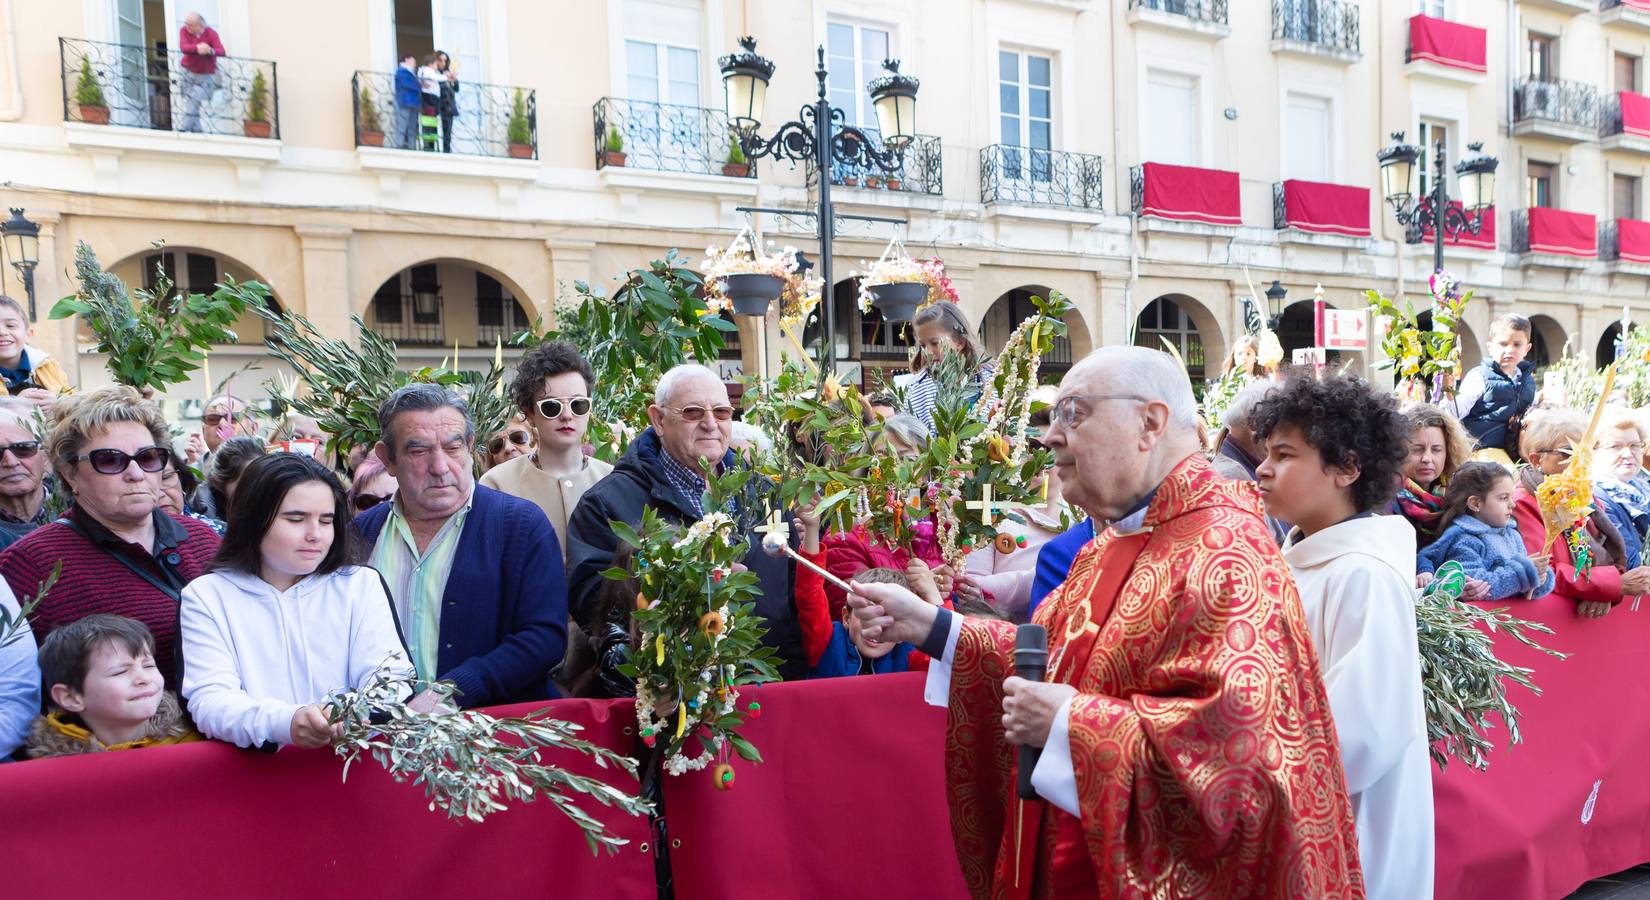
(942, 328)
(1438, 445)
(1244, 358)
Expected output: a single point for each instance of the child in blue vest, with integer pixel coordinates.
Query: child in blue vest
(1478, 531)
(1494, 397)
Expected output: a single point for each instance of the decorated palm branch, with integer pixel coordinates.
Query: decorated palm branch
(1424, 360)
(153, 337)
(1462, 681)
(470, 763)
(1566, 499)
(700, 636)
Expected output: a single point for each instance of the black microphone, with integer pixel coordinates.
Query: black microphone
(1030, 661)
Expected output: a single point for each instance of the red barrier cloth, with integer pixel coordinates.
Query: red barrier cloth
(1190, 194)
(1633, 239)
(850, 801)
(1565, 233)
(1483, 240)
(217, 821)
(1326, 208)
(1643, 5)
(1572, 802)
(1635, 112)
(1446, 43)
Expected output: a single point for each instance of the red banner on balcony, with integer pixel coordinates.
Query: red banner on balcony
(1446, 43)
(1633, 238)
(1642, 5)
(1483, 240)
(1562, 232)
(1326, 208)
(1190, 194)
(1635, 109)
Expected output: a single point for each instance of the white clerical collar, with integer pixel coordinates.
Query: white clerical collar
(1136, 519)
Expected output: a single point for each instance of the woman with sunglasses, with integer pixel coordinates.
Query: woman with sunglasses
(511, 441)
(119, 551)
(373, 485)
(552, 389)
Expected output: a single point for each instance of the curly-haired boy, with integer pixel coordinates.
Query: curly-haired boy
(1335, 449)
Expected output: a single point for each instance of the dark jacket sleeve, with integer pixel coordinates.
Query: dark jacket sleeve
(590, 546)
(533, 605)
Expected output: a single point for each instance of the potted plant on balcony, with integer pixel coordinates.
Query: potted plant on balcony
(873, 182)
(518, 132)
(736, 166)
(370, 131)
(615, 148)
(257, 108)
(899, 285)
(891, 182)
(88, 94)
(748, 281)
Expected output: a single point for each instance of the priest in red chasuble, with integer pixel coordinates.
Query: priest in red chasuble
(1187, 747)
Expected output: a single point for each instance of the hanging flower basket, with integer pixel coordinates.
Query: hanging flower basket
(751, 292)
(898, 301)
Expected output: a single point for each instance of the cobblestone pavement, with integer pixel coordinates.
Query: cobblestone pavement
(1633, 884)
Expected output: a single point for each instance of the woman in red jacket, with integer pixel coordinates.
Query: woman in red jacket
(1545, 444)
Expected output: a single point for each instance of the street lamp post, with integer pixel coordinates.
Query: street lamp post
(22, 241)
(1475, 176)
(819, 134)
(1275, 296)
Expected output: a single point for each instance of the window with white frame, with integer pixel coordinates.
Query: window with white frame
(854, 53)
(1309, 137)
(1438, 9)
(1428, 133)
(1169, 121)
(1025, 112)
(661, 53)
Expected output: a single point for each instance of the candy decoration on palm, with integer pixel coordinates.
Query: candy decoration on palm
(1425, 361)
(701, 640)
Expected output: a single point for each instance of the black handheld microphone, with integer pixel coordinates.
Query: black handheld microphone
(1030, 661)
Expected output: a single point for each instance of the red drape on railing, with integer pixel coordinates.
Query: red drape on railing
(1633, 238)
(1446, 43)
(1570, 803)
(1483, 240)
(1191, 194)
(1563, 232)
(1637, 4)
(1635, 111)
(1326, 208)
(210, 820)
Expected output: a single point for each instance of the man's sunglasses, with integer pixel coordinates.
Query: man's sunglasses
(213, 420)
(697, 413)
(364, 502)
(519, 438)
(22, 449)
(108, 461)
(550, 407)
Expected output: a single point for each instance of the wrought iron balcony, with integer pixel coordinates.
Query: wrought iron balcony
(1212, 11)
(1328, 24)
(1557, 108)
(1010, 174)
(142, 87)
(665, 137)
(402, 319)
(919, 171)
(476, 119)
(499, 319)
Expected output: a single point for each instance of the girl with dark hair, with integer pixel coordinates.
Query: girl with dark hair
(1478, 531)
(284, 619)
(942, 328)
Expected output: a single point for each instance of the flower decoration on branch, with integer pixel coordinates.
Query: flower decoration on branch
(1566, 499)
(1427, 362)
(1462, 680)
(701, 640)
(469, 762)
(798, 293)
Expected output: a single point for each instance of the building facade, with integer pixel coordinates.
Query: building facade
(1149, 158)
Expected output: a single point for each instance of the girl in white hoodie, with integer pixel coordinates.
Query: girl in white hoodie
(283, 619)
(1335, 449)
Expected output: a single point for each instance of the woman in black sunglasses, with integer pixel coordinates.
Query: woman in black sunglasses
(119, 551)
(511, 441)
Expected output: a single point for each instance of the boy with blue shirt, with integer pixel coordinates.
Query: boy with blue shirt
(1496, 394)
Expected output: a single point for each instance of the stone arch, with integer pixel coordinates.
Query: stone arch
(1606, 351)
(1547, 340)
(521, 266)
(1013, 307)
(1188, 324)
(184, 268)
(442, 301)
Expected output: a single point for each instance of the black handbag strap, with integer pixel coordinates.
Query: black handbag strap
(165, 587)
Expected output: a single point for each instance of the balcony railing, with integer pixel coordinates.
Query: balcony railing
(1011, 174)
(880, 339)
(919, 171)
(478, 120)
(499, 319)
(399, 318)
(141, 87)
(665, 137)
(1330, 24)
(1201, 10)
(1561, 101)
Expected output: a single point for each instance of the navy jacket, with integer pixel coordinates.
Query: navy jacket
(504, 612)
(841, 657)
(407, 89)
(638, 481)
(1054, 560)
(1489, 399)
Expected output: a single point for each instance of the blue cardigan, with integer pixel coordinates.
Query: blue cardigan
(1495, 555)
(504, 611)
(1054, 560)
(407, 87)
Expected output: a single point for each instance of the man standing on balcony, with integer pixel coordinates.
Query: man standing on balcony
(201, 49)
